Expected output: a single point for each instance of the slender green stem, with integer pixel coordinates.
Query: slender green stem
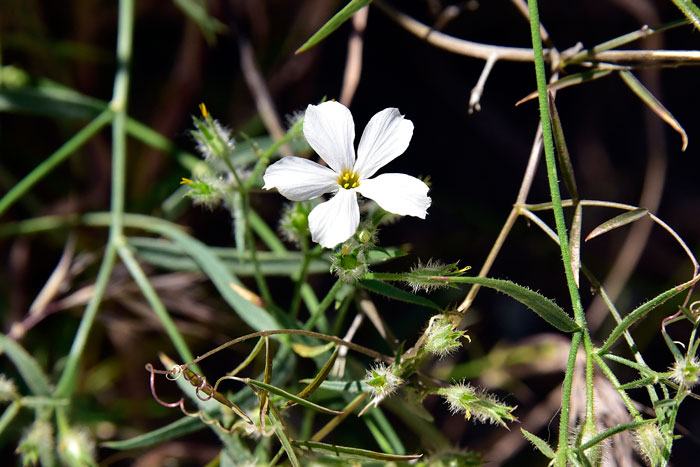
(154, 301)
(300, 280)
(118, 106)
(69, 375)
(325, 303)
(623, 394)
(560, 223)
(66, 150)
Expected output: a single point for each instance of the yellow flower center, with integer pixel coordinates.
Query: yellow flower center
(349, 180)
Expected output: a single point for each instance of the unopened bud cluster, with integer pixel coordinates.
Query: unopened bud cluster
(36, 446)
(383, 381)
(351, 263)
(472, 402)
(426, 277)
(441, 338)
(686, 372)
(76, 447)
(650, 444)
(294, 223)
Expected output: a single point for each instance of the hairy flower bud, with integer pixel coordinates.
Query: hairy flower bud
(484, 407)
(383, 381)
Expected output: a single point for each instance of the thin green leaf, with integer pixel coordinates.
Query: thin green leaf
(346, 387)
(334, 23)
(639, 383)
(565, 165)
(641, 311)
(617, 221)
(173, 430)
(9, 415)
(281, 432)
(318, 379)
(690, 10)
(575, 243)
(654, 104)
(567, 81)
(196, 10)
(395, 293)
(256, 317)
(539, 443)
(28, 368)
(346, 452)
(387, 430)
(544, 307)
(289, 396)
(168, 255)
(23, 93)
(308, 351)
(613, 431)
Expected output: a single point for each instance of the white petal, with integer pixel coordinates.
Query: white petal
(300, 179)
(336, 220)
(385, 138)
(397, 193)
(330, 130)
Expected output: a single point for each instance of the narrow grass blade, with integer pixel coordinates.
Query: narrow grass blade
(173, 430)
(395, 293)
(61, 154)
(316, 382)
(290, 397)
(308, 351)
(641, 311)
(196, 10)
(281, 432)
(570, 80)
(387, 430)
(345, 452)
(334, 23)
(9, 415)
(28, 368)
(544, 307)
(654, 104)
(565, 165)
(539, 443)
(345, 387)
(690, 10)
(26, 94)
(617, 221)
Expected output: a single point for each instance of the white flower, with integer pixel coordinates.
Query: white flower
(330, 130)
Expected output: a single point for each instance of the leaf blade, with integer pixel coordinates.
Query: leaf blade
(334, 23)
(617, 221)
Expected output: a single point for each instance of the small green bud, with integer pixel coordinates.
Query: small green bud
(350, 264)
(364, 236)
(294, 223)
(76, 447)
(594, 454)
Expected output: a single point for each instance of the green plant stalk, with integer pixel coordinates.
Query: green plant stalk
(61, 154)
(563, 243)
(690, 10)
(67, 381)
(623, 394)
(300, 280)
(118, 106)
(156, 304)
(325, 303)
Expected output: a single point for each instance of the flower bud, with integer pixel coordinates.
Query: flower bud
(462, 398)
(382, 381)
(8, 390)
(441, 338)
(76, 447)
(36, 446)
(686, 372)
(650, 443)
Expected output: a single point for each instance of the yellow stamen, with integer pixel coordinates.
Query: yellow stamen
(203, 109)
(185, 181)
(349, 179)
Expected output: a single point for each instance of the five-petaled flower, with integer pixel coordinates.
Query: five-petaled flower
(330, 130)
